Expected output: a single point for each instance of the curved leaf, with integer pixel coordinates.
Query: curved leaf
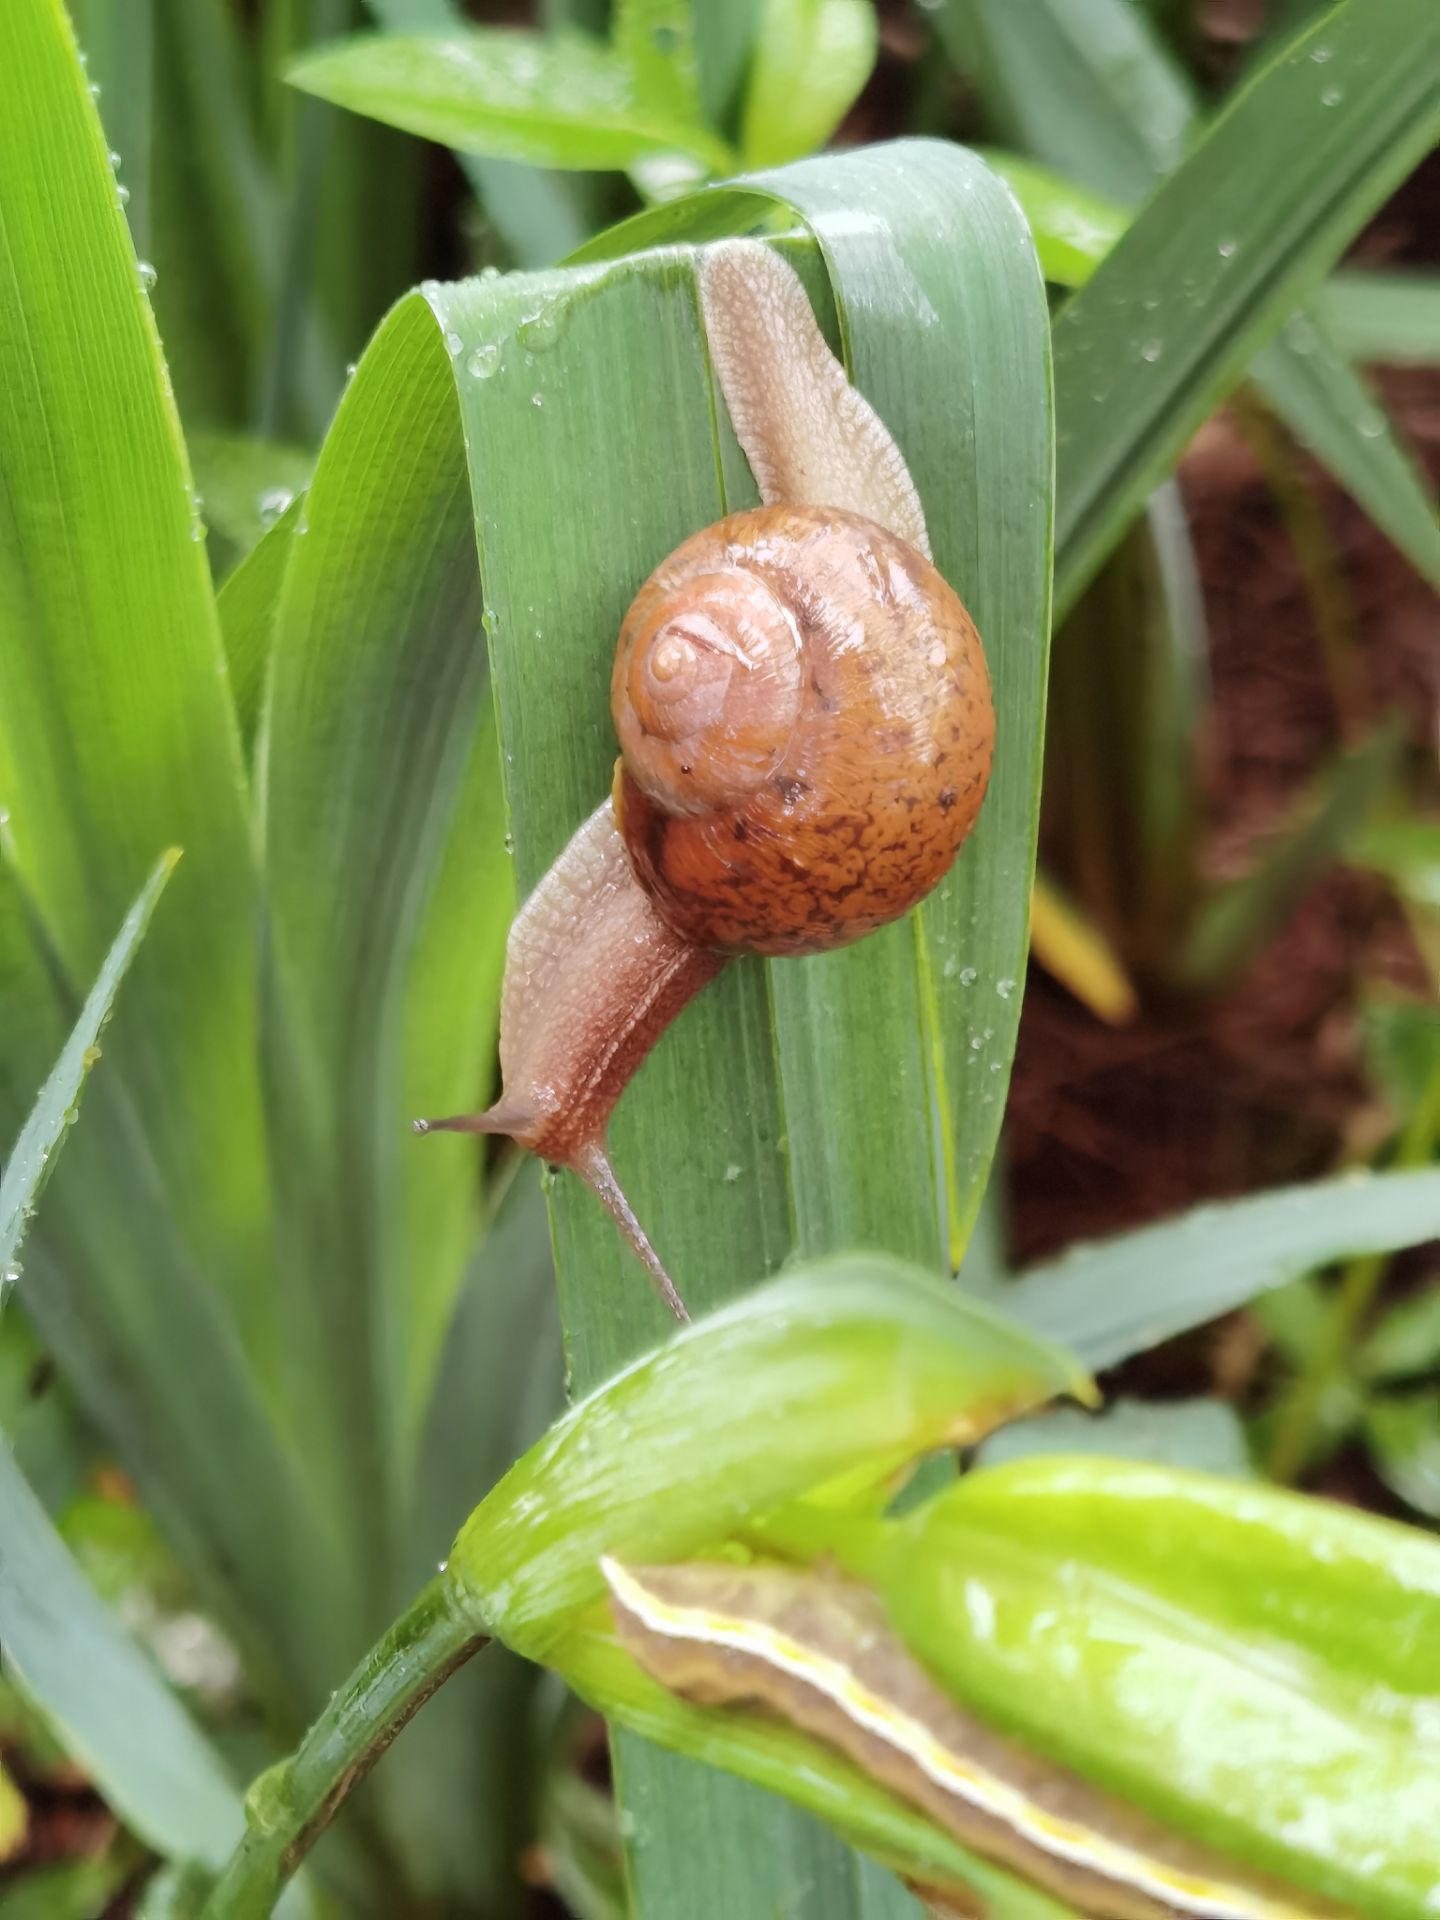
(556, 100)
(1121, 1296)
(850, 1364)
(1253, 1667)
(1222, 253)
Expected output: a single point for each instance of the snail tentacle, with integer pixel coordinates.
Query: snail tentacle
(812, 439)
(593, 976)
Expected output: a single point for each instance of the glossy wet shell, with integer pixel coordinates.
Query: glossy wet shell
(880, 772)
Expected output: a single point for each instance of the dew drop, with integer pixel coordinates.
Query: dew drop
(1227, 248)
(113, 158)
(1320, 56)
(271, 503)
(1004, 988)
(540, 329)
(122, 194)
(483, 361)
(968, 976)
(147, 273)
(537, 399)
(453, 344)
(733, 1172)
(1151, 351)
(1331, 97)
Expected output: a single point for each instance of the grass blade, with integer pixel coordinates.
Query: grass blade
(1389, 317)
(26, 1168)
(110, 632)
(379, 760)
(812, 58)
(117, 1718)
(1122, 1296)
(113, 1712)
(1224, 251)
(1339, 419)
(558, 100)
(552, 387)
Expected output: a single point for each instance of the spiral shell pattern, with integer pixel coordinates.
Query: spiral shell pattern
(806, 728)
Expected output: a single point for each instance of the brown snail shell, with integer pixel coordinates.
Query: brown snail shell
(823, 738)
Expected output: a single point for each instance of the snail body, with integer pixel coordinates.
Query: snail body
(806, 729)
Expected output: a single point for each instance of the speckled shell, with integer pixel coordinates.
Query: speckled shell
(866, 803)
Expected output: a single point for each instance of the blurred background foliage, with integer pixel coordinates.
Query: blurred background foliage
(1237, 914)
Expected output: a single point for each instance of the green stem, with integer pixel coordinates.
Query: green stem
(288, 1808)
(1326, 1362)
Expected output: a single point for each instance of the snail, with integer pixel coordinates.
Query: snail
(806, 729)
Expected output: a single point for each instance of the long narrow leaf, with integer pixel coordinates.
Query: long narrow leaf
(555, 100)
(377, 760)
(53, 1112)
(1228, 246)
(1121, 1296)
(545, 391)
(117, 740)
(115, 1715)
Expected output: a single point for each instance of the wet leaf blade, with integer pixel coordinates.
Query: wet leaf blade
(557, 100)
(1124, 1295)
(1224, 251)
(55, 1109)
(113, 1712)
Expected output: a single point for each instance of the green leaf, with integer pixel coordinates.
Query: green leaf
(587, 373)
(94, 1688)
(1393, 318)
(848, 1364)
(499, 1387)
(1407, 852)
(1253, 1668)
(848, 1368)
(247, 604)
(557, 100)
(656, 40)
(1220, 256)
(811, 59)
(389, 895)
(1406, 1341)
(1402, 1050)
(117, 740)
(115, 1715)
(1336, 416)
(1404, 1436)
(540, 216)
(1120, 1296)
(1238, 919)
(29, 1161)
(245, 486)
(1204, 1434)
(1088, 89)
(1073, 229)
(116, 736)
